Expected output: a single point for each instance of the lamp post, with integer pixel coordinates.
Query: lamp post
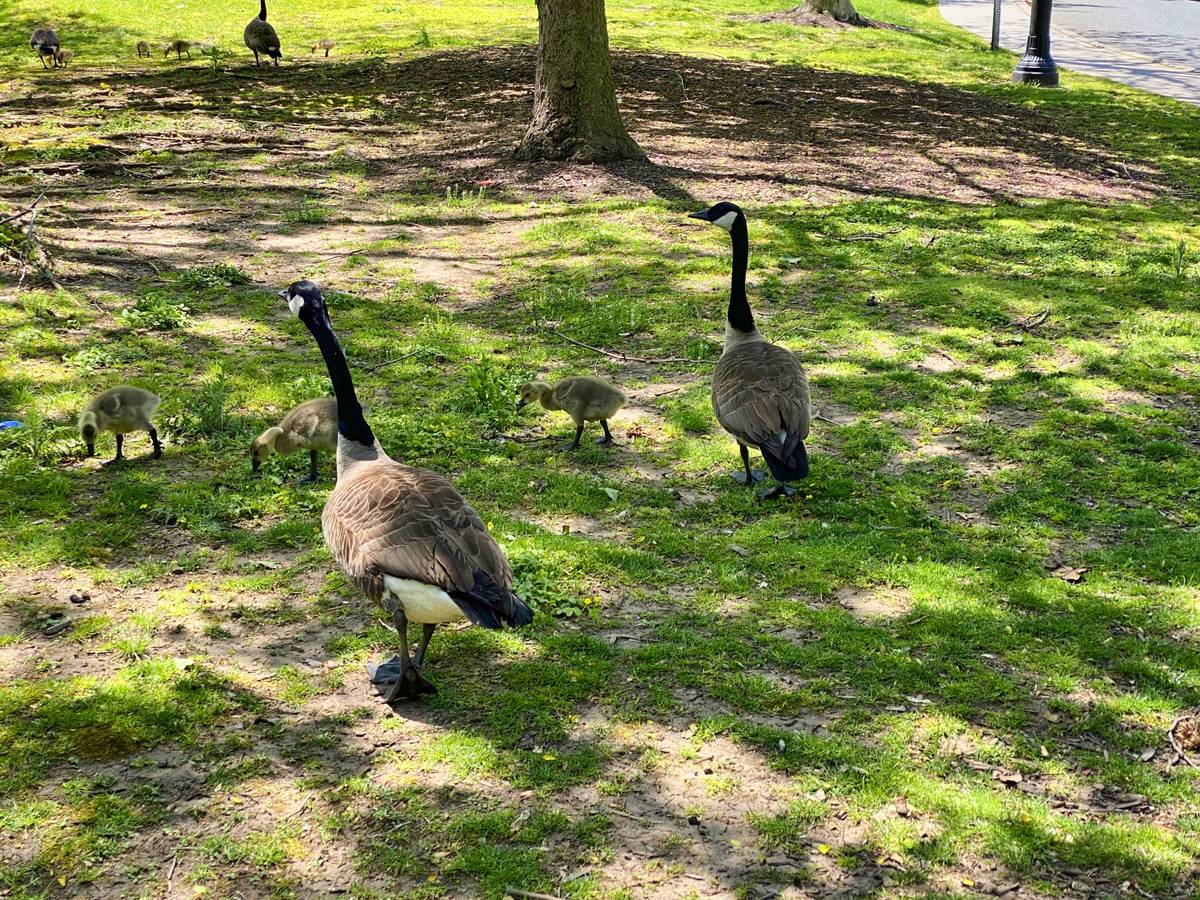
(1037, 66)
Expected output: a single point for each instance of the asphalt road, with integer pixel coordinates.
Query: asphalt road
(1150, 44)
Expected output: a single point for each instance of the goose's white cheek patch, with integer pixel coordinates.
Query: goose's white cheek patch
(726, 221)
(295, 304)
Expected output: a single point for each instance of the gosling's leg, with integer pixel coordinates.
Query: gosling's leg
(574, 445)
(118, 457)
(157, 454)
(312, 468)
(747, 475)
(607, 440)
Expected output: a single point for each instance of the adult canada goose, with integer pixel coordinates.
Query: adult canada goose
(311, 426)
(179, 48)
(325, 44)
(586, 399)
(119, 410)
(62, 56)
(44, 42)
(759, 390)
(143, 49)
(261, 37)
(403, 535)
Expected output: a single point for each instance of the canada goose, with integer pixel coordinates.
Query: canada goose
(759, 390)
(62, 57)
(120, 410)
(179, 48)
(143, 49)
(311, 426)
(44, 42)
(261, 37)
(586, 399)
(403, 535)
(325, 44)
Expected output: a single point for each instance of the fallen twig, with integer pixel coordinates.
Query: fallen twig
(18, 215)
(529, 895)
(624, 357)
(345, 253)
(1031, 322)
(826, 419)
(171, 873)
(33, 211)
(865, 235)
(497, 435)
(394, 359)
(1178, 747)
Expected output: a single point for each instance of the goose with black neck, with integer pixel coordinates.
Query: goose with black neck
(759, 390)
(403, 535)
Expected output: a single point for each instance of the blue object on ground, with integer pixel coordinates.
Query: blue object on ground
(11, 423)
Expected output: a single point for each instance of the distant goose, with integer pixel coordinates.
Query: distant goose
(403, 535)
(261, 37)
(759, 390)
(143, 49)
(311, 426)
(119, 410)
(44, 42)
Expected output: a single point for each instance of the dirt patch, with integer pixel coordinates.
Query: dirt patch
(872, 604)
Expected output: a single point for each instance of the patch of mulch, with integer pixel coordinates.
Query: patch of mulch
(1184, 735)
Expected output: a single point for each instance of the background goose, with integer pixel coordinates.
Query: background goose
(759, 390)
(403, 535)
(44, 42)
(325, 44)
(261, 37)
(119, 410)
(179, 48)
(586, 399)
(311, 426)
(143, 49)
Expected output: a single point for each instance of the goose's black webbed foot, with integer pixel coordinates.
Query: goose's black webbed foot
(399, 680)
(780, 490)
(753, 477)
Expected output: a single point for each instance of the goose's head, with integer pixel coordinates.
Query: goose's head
(88, 428)
(531, 392)
(723, 214)
(304, 300)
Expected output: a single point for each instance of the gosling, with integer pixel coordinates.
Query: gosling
(62, 57)
(586, 399)
(119, 410)
(143, 49)
(325, 44)
(180, 48)
(311, 426)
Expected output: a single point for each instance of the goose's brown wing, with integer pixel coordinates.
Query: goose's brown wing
(385, 518)
(759, 391)
(261, 36)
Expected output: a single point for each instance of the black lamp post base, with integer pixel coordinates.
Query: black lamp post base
(1039, 70)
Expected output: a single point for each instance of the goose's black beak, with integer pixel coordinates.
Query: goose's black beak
(284, 293)
(700, 214)
(254, 464)
(521, 403)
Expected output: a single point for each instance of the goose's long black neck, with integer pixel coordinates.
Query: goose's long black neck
(262, 10)
(739, 316)
(352, 425)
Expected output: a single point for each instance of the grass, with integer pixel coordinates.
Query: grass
(719, 696)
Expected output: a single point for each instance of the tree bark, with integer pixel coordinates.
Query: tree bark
(842, 10)
(575, 113)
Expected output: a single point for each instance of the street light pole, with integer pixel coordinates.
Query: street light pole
(995, 25)
(1037, 66)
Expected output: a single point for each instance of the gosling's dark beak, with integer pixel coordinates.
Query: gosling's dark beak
(521, 403)
(91, 449)
(699, 214)
(254, 464)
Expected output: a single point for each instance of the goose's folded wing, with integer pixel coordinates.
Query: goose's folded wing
(760, 396)
(410, 523)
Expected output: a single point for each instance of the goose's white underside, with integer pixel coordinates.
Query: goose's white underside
(423, 603)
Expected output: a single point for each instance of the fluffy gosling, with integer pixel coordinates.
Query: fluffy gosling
(119, 410)
(62, 57)
(311, 426)
(584, 398)
(180, 48)
(143, 49)
(325, 44)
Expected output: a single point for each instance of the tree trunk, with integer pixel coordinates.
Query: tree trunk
(575, 113)
(842, 10)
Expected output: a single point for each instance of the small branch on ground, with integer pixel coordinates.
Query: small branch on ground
(394, 359)
(529, 895)
(344, 253)
(865, 235)
(623, 357)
